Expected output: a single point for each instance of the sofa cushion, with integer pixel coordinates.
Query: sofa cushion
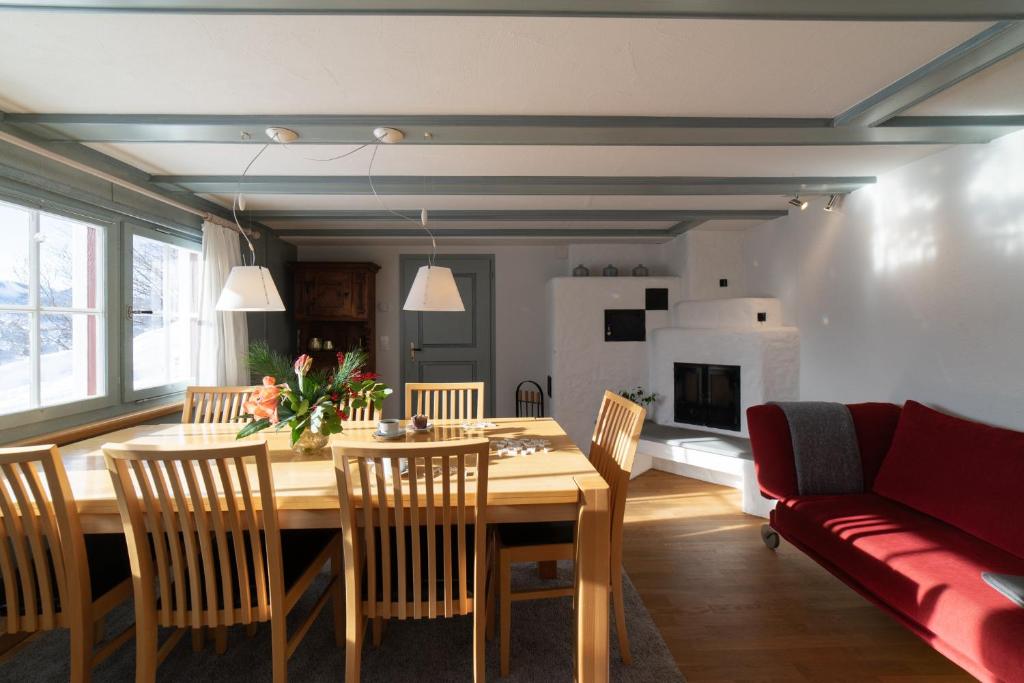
(965, 473)
(922, 568)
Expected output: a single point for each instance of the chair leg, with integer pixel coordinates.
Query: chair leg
(279, 646)
(492, 603)
(505, 595)
(338, 598)
(220, 639)
(81, 650)
(353, 641)
(198, 639)
(145, 652)
(378, 631)
(479, 622)
(620, 616)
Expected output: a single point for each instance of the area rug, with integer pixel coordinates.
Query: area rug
(424, 650)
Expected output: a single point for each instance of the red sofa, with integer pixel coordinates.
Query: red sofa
(943, 502)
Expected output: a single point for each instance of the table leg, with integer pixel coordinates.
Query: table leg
(593, 547)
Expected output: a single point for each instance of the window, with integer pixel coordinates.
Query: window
(164, 312)
(52, 319)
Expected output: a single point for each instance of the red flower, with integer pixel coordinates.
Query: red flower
(341, 358)
(361, 376)
(342, 414)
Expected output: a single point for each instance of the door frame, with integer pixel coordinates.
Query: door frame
(490, 392)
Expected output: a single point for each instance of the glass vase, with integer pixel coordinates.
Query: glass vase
(310, 443)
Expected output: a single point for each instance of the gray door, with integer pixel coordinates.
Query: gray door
(451, 347)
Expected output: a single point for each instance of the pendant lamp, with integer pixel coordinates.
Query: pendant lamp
(434, 288)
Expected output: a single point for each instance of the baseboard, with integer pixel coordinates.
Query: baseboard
(725, 469)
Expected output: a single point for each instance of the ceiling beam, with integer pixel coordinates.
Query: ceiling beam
(992, 45)
(507, 130)
(508, 185)
(482, 232)
(514, 215)
(862, 10)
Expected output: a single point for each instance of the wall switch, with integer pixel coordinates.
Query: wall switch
(385, 342)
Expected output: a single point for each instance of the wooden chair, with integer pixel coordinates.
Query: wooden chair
(365, 414)
(612, 449)
(213, 561)
(445, 401)
(529, 399)
(52, 575)
(215, 405)
(418, 548)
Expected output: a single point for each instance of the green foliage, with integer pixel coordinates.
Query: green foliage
(319, 400)
(639, 396)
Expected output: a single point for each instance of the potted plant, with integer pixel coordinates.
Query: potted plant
(313, 404)
(639, 396)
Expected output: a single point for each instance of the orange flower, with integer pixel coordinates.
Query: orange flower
(263, 402)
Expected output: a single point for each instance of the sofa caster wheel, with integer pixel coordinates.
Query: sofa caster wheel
(770, 536)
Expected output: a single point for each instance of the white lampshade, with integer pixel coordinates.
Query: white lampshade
(434, 289)
(249, 288)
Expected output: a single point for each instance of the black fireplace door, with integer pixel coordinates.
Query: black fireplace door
(707, 395)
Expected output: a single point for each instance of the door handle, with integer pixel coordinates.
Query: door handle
(412, 351)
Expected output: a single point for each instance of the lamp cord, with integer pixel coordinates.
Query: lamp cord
(369, 178)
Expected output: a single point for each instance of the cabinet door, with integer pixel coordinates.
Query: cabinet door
(327, 294)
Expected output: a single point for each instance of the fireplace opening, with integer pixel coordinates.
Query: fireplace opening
(708, 395)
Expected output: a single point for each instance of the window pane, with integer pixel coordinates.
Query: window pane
(70, 363)
(16, 227)
(15, 362)
(165, 305)
(69, 263)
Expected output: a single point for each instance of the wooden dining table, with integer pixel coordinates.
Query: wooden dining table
(558, 484)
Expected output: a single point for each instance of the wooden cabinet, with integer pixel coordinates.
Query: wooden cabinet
(335, 302)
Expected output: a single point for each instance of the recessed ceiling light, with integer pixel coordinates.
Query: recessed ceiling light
(282, 135)
(388, 135)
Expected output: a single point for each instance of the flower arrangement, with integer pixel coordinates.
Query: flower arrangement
(640, 397)
(309, 402)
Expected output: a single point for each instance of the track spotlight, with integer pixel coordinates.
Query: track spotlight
(833, 201)
(799, 203)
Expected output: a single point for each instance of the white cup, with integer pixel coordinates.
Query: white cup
(388, 427)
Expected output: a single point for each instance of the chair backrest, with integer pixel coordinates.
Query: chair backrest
(365, 414)
(43, 564)
(188, 543)
(612, 449)
(419, 529)
(445, 401)
(529, 399)
(214, 405)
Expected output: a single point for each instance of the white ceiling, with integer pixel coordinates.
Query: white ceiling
(998, 89)
(215, 64)
(57, 62)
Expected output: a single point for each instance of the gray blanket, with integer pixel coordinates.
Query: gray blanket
(825, 449)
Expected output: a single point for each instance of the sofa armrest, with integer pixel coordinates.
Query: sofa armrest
(772, 447)
(875, 424)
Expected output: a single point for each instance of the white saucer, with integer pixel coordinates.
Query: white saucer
(399, 433)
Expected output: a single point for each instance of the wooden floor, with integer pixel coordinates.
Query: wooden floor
(732, 610)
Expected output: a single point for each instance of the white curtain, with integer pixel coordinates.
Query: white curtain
(223, 337)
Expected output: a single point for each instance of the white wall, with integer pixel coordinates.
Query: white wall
(707, 256)
(583, 364)
(520, 276)
(655, 257)
(914, 289)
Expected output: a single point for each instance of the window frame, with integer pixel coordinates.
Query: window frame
(128, 233)
(108, 284)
